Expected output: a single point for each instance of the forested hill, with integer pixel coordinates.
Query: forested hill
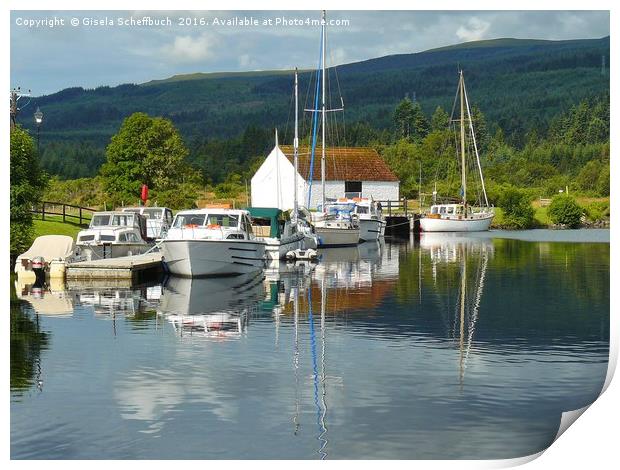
(519, 85)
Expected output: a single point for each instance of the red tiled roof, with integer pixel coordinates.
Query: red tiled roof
(343, 164)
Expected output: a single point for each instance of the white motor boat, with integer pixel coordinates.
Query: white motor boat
(158, 220)
(275, 227)
(212, 242)
(112, 234)
(48, 256)
(461, 216)
(337, 226)
(368, 211)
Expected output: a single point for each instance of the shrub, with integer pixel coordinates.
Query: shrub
(597, 211)
(518, 211)
(564, 210)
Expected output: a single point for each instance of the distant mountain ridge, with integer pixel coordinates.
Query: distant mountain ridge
(519, 84)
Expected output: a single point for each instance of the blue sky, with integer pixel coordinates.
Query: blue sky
(47, 59)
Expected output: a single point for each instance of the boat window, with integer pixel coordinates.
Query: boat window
(107, 238)
(122, 220)
(87, 238)
(434, 210)
(442, 210)
(133, 210)
(223, 220)
(122, 237)
(362, 210)
(168, 216)
(459, 210)
(181, 220)
(132, 237)
(152, 213)
(100, 220)
(450, 210)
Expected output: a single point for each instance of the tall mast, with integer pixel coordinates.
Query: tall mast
(296, 150)
(323, 113)
(463, 177)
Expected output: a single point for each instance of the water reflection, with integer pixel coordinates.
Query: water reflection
(358, 356)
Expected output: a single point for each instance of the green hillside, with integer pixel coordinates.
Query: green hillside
(519, 85)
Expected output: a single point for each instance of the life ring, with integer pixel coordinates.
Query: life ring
(190, 226)
(213, 226)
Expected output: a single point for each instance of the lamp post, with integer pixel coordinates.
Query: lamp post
(38, 119)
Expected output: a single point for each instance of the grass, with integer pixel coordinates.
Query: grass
(53, 225)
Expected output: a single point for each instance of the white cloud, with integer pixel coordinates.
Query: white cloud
(190, 48)
(474, 30)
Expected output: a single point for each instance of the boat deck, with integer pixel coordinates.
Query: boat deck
(125, 267)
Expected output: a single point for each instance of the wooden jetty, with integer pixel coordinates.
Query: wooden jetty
(125, 267)
(400, 218)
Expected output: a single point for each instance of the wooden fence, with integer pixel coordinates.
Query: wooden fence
(75, 214)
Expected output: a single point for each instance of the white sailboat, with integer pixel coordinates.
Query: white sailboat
(461, 217)
(333, 227)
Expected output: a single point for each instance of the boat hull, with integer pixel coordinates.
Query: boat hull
(479, 224)
(203, 258)
(277, 249)
(370, 229)
(335, 237)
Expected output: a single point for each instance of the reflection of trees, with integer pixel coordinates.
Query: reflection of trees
(27, 341)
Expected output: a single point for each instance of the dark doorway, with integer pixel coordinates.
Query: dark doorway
(353, 187)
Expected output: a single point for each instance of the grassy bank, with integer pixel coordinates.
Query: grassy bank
(53, 225)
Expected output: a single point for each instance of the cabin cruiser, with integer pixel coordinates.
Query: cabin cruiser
(456, 218)
(212, 242)
(337, 225)
(158, 220)
(275, 227)
(112, 234)
(368, 211)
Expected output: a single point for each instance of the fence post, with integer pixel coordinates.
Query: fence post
(405, 207)
(390, 208)
(63, 213)
(43, 211)
(80, 215)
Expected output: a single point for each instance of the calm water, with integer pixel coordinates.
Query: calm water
(444, 347)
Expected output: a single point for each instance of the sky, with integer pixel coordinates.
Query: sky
(47, 56)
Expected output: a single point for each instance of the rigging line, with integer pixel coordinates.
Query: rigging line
(471, 126)
(316, 119)
(474, 317)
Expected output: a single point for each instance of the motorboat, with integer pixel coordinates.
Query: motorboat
(369, 215)
(275, 227)
(212, 242)
(158, 220)
(112, 234)
(47, 257)
(336, 225)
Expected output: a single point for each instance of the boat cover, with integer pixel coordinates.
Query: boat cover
(50, 247)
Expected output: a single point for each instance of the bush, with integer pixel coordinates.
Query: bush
(564, 210)
(597, 211)
(518, 211)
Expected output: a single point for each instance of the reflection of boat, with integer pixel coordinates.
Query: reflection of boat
(46, 299)
(461, 217)
(218, 325)
(212, 242)
(472, 255)
(195, 296)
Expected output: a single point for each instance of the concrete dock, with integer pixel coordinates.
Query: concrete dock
(126, 267)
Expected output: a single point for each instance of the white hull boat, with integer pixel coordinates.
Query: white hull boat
(371, 229)
(478, 223)
(212, 242)
(200, 258)
(332, 235)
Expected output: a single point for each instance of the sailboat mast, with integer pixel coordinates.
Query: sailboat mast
(296, 150)
(323, 113)
(463, 176)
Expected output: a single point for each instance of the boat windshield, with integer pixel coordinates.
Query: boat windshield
(152, 213)
(362, 210)
(124, 220)
(182, 220)
(100, 220)
(223, 220)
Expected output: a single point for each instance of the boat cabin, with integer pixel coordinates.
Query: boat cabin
(222, 224)
(158, 220)
(269, 222)
(113, 227)
(450, 211)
